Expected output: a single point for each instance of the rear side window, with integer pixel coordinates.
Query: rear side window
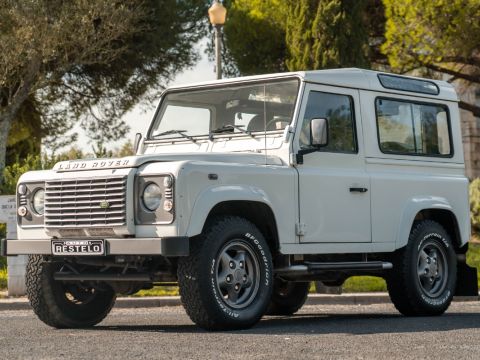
(413, 128)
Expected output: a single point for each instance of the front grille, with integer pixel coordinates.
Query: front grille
(86, 202)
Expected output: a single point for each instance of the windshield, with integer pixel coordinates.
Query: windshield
(242, 109)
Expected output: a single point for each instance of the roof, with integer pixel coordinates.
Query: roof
(346, 77)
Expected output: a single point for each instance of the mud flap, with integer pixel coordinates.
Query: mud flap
(467, 284)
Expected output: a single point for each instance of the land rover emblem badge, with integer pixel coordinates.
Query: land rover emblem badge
(104, 205)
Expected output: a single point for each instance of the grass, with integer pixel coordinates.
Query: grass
(353, 284)
(158, 291)
(364, 284)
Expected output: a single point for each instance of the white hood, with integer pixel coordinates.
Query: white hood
(136, 161)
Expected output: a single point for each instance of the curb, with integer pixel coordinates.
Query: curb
(21, 303)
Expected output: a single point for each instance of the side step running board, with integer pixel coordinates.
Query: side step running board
(141, 277)
(64, 276)
(310, 268)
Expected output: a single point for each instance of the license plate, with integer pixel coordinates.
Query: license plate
(78, 247)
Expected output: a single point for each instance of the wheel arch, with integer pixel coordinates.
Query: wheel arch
(249, 203)
(260, 214)
(436, 209)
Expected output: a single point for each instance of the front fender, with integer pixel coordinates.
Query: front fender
(412, 208)
(214, 195)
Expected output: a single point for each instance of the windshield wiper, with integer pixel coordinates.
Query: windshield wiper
(179, 132)
(230, 127)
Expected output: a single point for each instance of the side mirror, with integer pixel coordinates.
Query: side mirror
(137, 142)
(319, 132)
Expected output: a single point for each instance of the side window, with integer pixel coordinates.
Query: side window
(413, 128)
(338, 110)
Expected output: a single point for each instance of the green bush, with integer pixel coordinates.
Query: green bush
(12, 173)
(475, 204)
(473, 258)
(3, 279)
(3, 260)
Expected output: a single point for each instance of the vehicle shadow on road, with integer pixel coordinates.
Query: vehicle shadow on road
(315, 324)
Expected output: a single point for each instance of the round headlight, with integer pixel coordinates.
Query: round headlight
(38, 201)
(152, 196)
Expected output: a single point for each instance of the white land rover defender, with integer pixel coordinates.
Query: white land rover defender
(245, 190)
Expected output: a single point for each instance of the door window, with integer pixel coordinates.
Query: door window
(338, 110)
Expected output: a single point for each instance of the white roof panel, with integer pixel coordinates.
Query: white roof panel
(346, 77)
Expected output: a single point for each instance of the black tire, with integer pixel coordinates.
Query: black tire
(287, 297)
(63, 305)
(211, 301)
(423, 279)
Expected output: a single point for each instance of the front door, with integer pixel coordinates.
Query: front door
(334, 188)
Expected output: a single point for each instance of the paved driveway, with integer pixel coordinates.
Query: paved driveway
(323, 332)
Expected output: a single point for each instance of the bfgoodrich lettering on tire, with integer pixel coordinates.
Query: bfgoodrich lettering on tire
(424, 273)
(226, 282)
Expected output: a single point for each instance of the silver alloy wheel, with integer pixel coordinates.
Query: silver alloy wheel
(237, 274)
(432, 269)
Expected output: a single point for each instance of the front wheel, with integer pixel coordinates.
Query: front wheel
(423, 279)
(61, 304)
(226, 282)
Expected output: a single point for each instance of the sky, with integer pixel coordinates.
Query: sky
(140, 116)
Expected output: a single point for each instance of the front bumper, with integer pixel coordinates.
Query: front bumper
(167, 246)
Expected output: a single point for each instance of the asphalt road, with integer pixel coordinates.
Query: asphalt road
(323, 332)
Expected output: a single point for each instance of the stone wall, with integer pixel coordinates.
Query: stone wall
(470, 133)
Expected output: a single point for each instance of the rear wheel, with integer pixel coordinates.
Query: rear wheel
(64, 305)
(423, 279)
(288, 297)
(226, 282)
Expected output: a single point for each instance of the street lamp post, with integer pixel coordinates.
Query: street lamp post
(218, 14)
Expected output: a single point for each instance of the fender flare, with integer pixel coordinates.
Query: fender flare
(413, 207)
(210, 197)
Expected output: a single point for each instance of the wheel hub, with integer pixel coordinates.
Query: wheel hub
(237, 274)
(432, 269)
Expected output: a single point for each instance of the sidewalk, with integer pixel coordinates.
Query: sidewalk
(21, 303)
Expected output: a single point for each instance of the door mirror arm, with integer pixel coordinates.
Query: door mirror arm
(302, 152)
(318, 138)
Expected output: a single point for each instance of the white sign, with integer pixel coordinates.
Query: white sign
(16, 264)
(8, 214)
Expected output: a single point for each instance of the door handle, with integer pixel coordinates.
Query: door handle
(358, 189)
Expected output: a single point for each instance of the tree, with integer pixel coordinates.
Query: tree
(90, 61)
(442, 37)
(299, 35)
(336, 36)
(340, 36)
(25, 133)
(255, 36)
(266, 36)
